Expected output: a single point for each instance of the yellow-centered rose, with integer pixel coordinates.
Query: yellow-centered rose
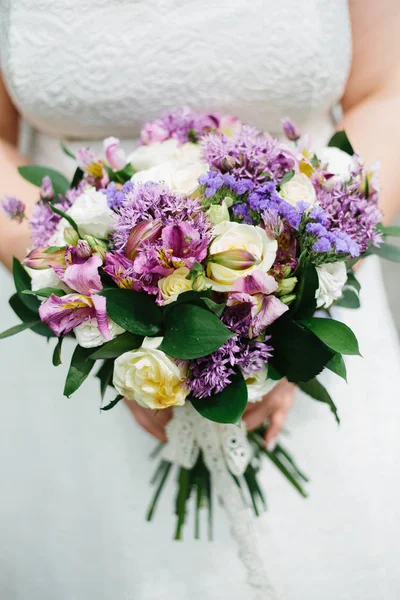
(150, 377)
(231, 242)
(174, 284)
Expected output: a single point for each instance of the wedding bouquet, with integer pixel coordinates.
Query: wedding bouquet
(193, 270)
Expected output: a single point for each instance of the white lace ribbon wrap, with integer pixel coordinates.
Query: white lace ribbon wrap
(226, 452)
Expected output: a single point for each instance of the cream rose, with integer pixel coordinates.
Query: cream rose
(181, 177)
(171, 286)
(150, 377)
(237, 236)
(337, 162)
(91, 213)
(45, 278)
(146, 157)
(88, 335)
(332, 278)
(298, 189)
(258, 384)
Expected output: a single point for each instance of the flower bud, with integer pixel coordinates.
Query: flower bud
(290, 130)
(46, 189)
(114, 154)
(286, 286)
(43, 258)
(147, 231)
(218, 213)
(96, 245)
(71, 237)
(288, 299)
(199, 284)
(79, 253)
(237, 259)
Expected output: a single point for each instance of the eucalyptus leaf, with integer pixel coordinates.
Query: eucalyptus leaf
(64, 215)
(35, 174)
(119, 345)
(226, 407)
(391, 231)
(217, 309)
(341, 141)
(192, 332)
(386, 251)
(67, 151)
(45, 292)
(105, 375)
(28, 316)
(57, 352)
(18, 329)
(318, 392)
(77, 177)
(79, 369)
(349, 299)
(135, 312)
(287, 177)
(335, 334)
(305, 303)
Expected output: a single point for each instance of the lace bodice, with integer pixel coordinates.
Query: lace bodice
(78, 68)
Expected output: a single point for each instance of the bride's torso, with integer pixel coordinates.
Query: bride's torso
(84, 69)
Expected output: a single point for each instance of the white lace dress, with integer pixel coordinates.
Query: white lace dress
(74, 482)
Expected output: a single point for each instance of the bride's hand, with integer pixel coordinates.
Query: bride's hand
(274, 407)
(153, 421)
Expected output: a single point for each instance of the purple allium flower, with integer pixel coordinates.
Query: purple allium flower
(290, 130)
(14, 209)
(154, 201)
(182, 124)
(273, 223)
(44, 221)
(249, 154)
(211, 374)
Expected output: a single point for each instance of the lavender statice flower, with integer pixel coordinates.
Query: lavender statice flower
(242, 214)
(211, 374)
(154, 201)
(44, 221)
(249, 154)
(263, 197)
(14, 208)
(213, 181)
(349, 212)
(116, 195)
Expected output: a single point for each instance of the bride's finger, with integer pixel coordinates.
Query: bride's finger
(258, 415)
(276, 423)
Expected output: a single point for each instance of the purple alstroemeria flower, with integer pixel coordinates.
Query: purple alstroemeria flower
(256, 290)
(122, 271)
(145, 231)
(92, 166)
(115, 155)
(184, 243)
(79, 254)
(65, 313)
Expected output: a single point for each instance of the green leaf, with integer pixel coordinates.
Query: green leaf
(386, 251)
(289, 175)
(341, 141)
(112, 404)
(192, 332)
(77, 178)
(27, 316)
(318, 392)
(298, 354)
(391, 231)
(79, 369)
(64, 215)
(273, 373)
(125, 174)
(335, 334)
(217, 309)
(57, 353)
(119, 345)
(135, 312)
(305, 303)
(24, 282)
(18, 328)
(67, 151)
(45, 292)
(226, 407)
(105, 375)
(338, 366)
(35, 173)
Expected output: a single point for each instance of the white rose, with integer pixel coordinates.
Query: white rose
(150, 377)
(146, 157)
(178, 176)
(258, 384)
(88, 335)
(174, 284)
(238, 236)
(298, 189)
(332, 278)
(337, 162)
(45, 278)
(218, 213)
(91, 213)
